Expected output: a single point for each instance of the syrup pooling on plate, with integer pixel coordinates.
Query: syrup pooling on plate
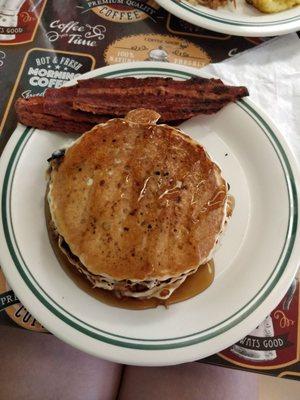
(193, 285)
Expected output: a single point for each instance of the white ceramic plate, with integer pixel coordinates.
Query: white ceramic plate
(244, 20)
(255, 263)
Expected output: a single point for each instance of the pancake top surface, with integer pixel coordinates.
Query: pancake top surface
(138, 201)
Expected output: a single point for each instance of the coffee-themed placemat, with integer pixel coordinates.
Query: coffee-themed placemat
(43, 45)
(274, 346)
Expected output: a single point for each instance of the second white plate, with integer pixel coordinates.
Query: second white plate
(244, 20)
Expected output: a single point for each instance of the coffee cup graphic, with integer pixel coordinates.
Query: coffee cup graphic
(158, 54)
(263, 331)
(9, 10)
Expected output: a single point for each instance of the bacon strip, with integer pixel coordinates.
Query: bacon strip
(30, 112)
(172, 99)
(59, 102)
(93, 101)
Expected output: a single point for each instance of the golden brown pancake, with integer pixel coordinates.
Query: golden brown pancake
(137, 206)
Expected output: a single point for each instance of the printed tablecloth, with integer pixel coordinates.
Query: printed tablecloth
(44, 43)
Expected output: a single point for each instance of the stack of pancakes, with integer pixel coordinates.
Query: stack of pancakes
(137, 207)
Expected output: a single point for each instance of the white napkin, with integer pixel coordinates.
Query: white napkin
(271, 72)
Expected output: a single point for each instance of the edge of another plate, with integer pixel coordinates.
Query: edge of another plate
(235, 27)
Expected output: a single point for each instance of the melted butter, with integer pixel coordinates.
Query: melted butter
(193, 285)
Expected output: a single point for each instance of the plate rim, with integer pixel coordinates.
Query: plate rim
(147, 66)
(208, 21)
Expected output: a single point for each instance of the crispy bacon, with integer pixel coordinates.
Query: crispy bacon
(59, 102)
(34, 104)
(166, 96)
(92, 101)
(30, 112)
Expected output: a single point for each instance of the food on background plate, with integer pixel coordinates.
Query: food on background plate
(273, 6)
(214, 4)
(137, 207)
(265, 6)
(78, 108)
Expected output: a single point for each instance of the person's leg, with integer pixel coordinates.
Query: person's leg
(35, 366)
(193, 381)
